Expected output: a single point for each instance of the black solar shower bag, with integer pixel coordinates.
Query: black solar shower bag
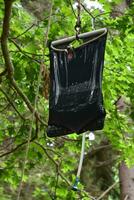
(76, 101)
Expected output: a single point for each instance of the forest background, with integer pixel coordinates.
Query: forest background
(33, 166)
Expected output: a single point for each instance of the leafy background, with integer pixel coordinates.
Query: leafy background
(51, 164)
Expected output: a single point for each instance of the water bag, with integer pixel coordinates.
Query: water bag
(76, 100)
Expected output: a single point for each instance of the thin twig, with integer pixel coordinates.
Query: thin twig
(25, 31)
(24, 52)
(57, 164)
(16, 148)
(33, 54)
(56, 182)
(111, 12)
(26, 100)
(29, 28)
(126, 197)
(35, 103)
(59, 171)
(11, 103)
(72, 9)
(105, 163)
(4, 108)
(23, 143)
(70, 140)
(91, 15)
(107, 191)
(26, 152)
(95, 150)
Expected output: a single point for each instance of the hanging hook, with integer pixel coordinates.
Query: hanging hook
(77, 29)
(78, 22)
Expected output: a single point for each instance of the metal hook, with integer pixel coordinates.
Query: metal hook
(78, 22)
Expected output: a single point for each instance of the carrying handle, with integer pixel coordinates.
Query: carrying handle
(95, 34)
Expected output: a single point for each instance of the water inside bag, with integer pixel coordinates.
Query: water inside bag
(76, 100)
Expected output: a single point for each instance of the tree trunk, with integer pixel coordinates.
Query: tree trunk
(126, 176)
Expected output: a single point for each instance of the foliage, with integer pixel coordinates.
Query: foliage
(52, 163)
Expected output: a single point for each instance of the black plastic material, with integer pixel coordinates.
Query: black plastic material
(76, 101)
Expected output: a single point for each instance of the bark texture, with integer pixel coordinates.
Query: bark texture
(126, 182)
(119, 9)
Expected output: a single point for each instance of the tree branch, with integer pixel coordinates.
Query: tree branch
(91, 15)
(107, 191)
(8, 62)
(4, 108)
(29, 28)
(106, 163)
(126, 197)
(25, 31)
(23, 143)
(11, 103)
(95, 150)
(4, 37)
(57, 164)
(24, 52)
(59, 171)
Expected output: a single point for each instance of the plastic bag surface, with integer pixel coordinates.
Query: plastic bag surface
(76, 100)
